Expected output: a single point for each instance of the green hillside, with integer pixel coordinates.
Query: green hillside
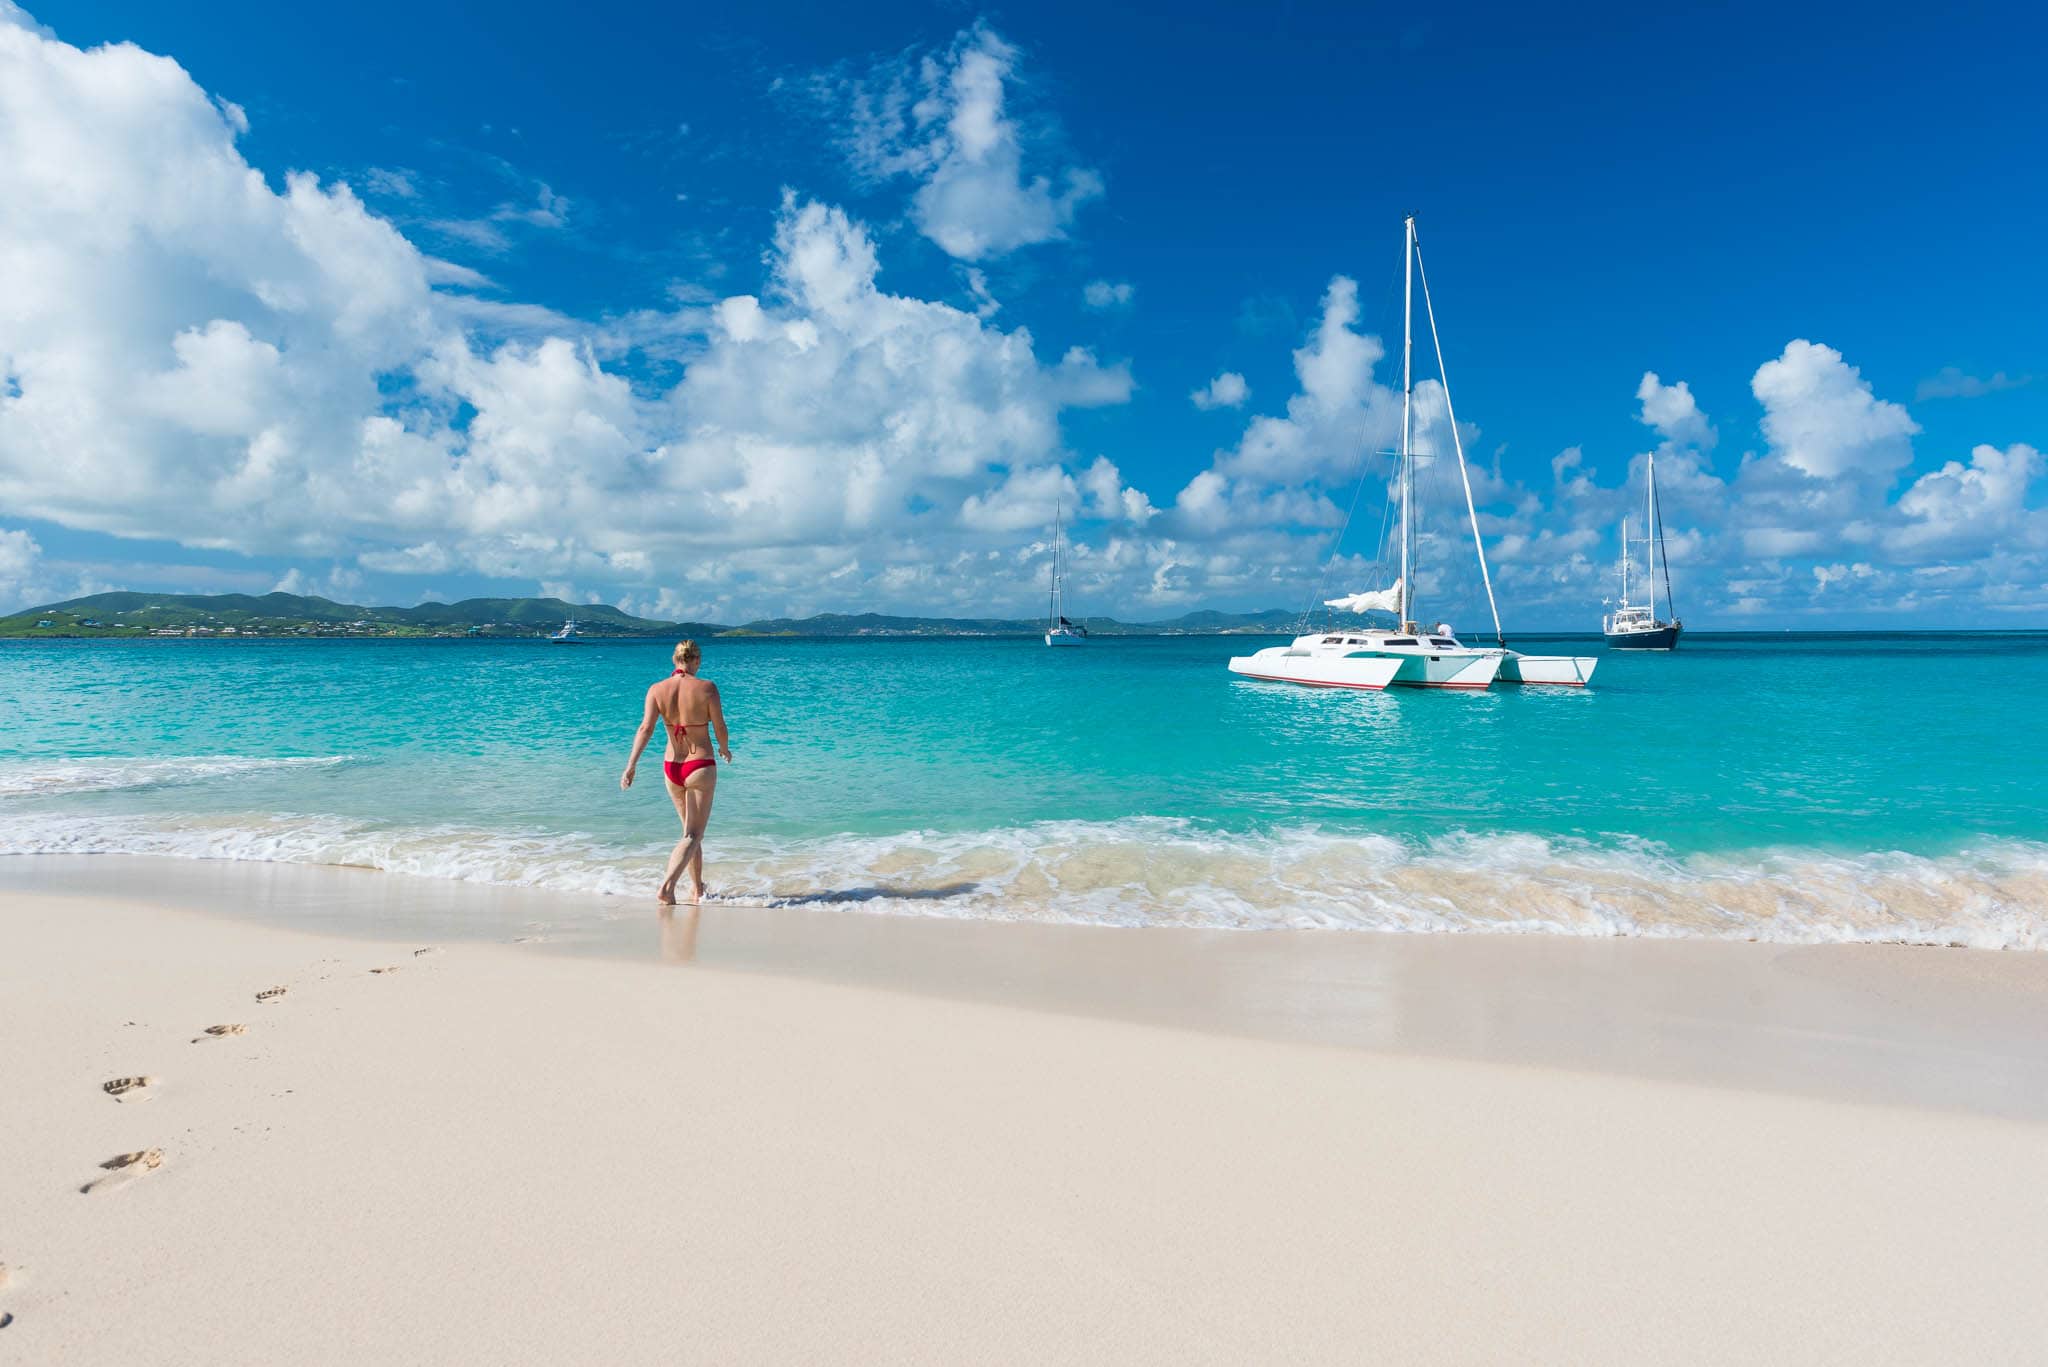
(238, 615)
(287, 614)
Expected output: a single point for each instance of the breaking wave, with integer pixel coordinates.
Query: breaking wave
(115, 773)
(1156, 871)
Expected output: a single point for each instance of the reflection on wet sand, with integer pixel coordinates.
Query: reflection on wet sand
(679, 934)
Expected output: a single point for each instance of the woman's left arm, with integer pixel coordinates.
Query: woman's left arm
(649, 716)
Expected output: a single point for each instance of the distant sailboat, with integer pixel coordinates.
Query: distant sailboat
(1058, 630)
(1636, 626)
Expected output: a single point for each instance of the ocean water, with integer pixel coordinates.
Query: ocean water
(1781, 787)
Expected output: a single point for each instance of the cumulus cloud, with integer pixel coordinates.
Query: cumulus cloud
(1822, 420)
(192, 354)
(29, 579)
(1227, 390)
(1671, 410)
(1104, 294)
(1967, 506)
(1951, 383)
(943, 120)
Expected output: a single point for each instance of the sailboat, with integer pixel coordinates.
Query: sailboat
(1413, 653)
(1058, 630)
(1636, 626)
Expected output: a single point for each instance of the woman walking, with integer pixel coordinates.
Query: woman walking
(690, 708)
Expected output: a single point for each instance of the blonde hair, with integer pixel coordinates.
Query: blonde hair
(687, 653)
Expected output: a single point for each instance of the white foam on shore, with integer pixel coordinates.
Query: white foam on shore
(114, 773)
(1156, 871)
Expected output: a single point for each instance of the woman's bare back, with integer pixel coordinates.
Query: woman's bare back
(686, 704)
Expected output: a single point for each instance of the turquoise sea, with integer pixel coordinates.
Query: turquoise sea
(1783, 787)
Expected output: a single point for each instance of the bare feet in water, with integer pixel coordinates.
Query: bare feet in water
(666, 894)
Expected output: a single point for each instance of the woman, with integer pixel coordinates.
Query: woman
(690, 707)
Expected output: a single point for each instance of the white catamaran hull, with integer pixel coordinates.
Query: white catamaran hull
(1285, 664)
(1473, 669)
(1065, 638)
(1570, 671)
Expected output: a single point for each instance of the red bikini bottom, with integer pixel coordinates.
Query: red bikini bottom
(676, 770)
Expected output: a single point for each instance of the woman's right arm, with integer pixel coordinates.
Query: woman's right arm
(718, 726)
(649, 716)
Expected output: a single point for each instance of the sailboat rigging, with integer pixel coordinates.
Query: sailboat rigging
(1412, 653)
(1636, 626)
(1059, 631)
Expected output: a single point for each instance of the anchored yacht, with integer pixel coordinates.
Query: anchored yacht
(1413, 653)
(1636, 626)
(1058, 630)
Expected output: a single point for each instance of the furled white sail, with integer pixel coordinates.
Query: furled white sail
(1384, 600)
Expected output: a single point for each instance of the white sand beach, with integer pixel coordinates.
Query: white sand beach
(492, 1153)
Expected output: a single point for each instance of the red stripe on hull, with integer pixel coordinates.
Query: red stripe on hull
(1309, 683)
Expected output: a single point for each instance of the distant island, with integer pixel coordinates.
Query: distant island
(271, 616)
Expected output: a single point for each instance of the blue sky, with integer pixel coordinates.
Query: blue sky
(549, 213)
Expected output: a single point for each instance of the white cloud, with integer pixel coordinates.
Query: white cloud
(27, 579)
(1962, 507)
(1951, 383)
(943, 121)
(1822, 420)
(1227, 390)
(1104, 294)
(1670, 409)
(189, 352)
(193, 355)
(340, 583)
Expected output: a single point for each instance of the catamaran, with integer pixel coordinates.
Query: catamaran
(1058, 630)
(1636, 626)
(1413, 653)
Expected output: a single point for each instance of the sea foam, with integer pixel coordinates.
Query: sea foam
(1992, 893)
(115, 773)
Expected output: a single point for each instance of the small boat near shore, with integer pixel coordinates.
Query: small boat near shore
(567, 636)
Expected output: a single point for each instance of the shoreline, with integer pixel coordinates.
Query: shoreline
(440, 1150)
(1949, 1028)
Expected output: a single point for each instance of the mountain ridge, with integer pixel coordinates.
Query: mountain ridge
(126, 613)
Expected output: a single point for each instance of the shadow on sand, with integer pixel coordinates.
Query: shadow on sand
(876, 894)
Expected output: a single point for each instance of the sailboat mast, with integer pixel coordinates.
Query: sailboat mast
(1624, 559)
(1650, 524)
(1056, 530)
(1407, 402)
(1657, 511)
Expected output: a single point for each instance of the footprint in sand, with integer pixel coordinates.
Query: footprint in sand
(270, 994)
(124, 1168)
(430, 949)
(129, 1088)
(220, 1032)
(388, 968)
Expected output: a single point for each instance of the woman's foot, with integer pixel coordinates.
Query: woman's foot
(666, 894)
(697, 894)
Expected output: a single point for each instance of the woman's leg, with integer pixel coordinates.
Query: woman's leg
(697, 793)
(680, 855)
